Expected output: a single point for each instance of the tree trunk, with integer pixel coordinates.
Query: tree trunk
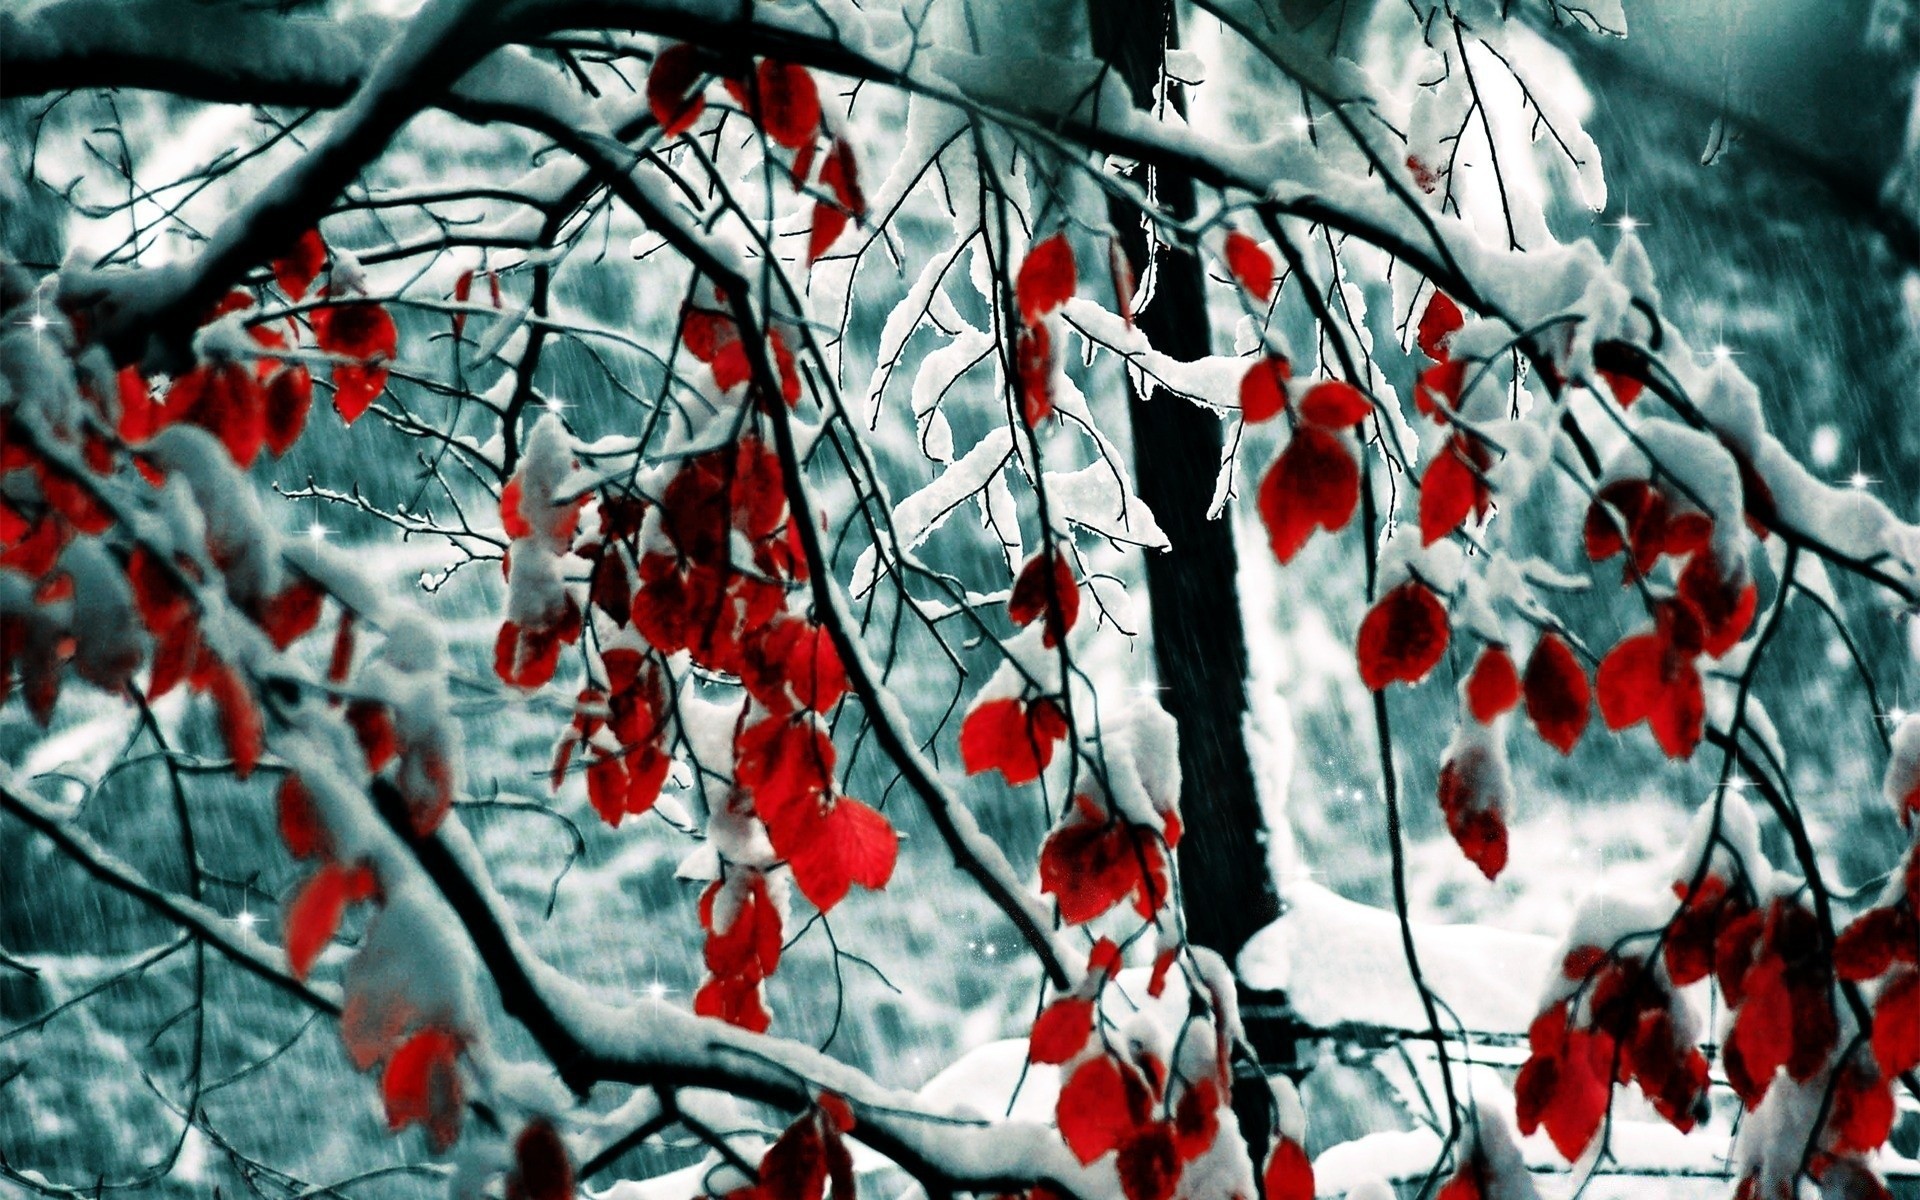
(1199, 644)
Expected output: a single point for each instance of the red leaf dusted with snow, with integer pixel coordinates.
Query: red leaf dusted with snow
(1251, 265)
(1875, 940)
(1438, 392)
(1046, 279)
(1441, 320)
(1012, 737)
(1263, 389)
(422, 1086)
(1471, 804)
(1061, 1031)
(1289, 1173)
(542, 1169)
(1035, 595)
(1314, 484)
(299, 267)
(672, 95)
(1101, 1106)
(1559, 701)
(1403, 636)
(1033, 360)
(1494, 686)
(1862, 1112)
(789, 103)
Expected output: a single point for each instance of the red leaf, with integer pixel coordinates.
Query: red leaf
(300, 827)
(289, 395)
(1558, 700)
(239, 719)
(1034, 595)
(734, 1000)
(840, 174)
(1092, 862)
(296, 271)
(1450, 491)
(1011, 736)
(1473, 817)
(1861, 1117)
(359, 331)
(1623, 367)
(1441, 320)
(1627, 512)
(828, 224)
(1046, 279)
(542, 1169)
(1314, 484)
(225, 399)
(1722, 606)
(1101, 1106)
(671, 93)
(1438, 392)
(1263, 389)
(1896, 1024)
(1289, 1174)
(850, 843)
(789, 103)
(315, 911)
(422, 1086)
(1061, 1031)
(1868, 947)
(1645, 679)
(1251, 265)
(1335, 405)
(1149, 1164)
(1403, 637)
(1033, 360)
(1494, 686)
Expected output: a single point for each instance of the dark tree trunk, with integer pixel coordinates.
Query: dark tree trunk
(1199, 645)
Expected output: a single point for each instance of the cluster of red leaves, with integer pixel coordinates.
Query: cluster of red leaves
(743, 949)
(1777, 977)
(1038, 591)
(784, 101)
(809, 1161)
(1883, 943)
(1046, 280)
(1012, 735)
(830, 841)
(1654, 676)
(624, 779)
(1096, 859)
(1109, 1105)
(1627, 1036)
(421, 1082)
(713, 338)
(698, 599)
(1437, 393)
(1315, 483)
